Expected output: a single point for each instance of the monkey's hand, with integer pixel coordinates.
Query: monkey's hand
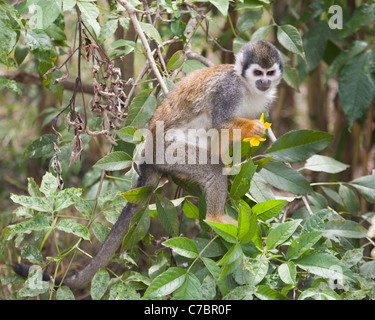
(256, 128)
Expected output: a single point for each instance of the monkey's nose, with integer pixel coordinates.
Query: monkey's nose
(263, 85)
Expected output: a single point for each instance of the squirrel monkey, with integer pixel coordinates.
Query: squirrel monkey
(220, 97)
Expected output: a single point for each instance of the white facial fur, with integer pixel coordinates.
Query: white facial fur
(255, 72)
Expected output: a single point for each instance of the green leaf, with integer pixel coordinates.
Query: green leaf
(41, 147)
(10, 84)
(116, 160)
(326, 266)
(138, 195)
(138, 230)
(215, 271)
(300, 245)
(325, 164)
(176, 61)
(166, 283)
(35, 203)
(107, 30)
(46, 13)
(290, 39)
(298, 145)
(100, 231)
(250, 4)
(357, 86)
(66, 198)
(268, 209)
(261, 33)
(245, 222)
(355, 48)
(221, 5)
(326, 294)
(208, 288)
(190, 290)
(152, 32)
(38, 223)
(141, 109)
(32, 254)
(167, 215)
(366, 186)
(291, 77)
(64, 293)
(248, 20)
(282, 232)
(234, 254)
(264, 292)
(49, 186)
(8, 36)
(256, 269)
(34, 285)
(99, 284)
(90, 13)
(241, 183)
(241, 293)
(350, 199)
(287, 272)
(316, 222)
(182, 246)
(344, 228)
(227, 231)
(285, 178)
(190, 210)
(119, 291)
(71, 226)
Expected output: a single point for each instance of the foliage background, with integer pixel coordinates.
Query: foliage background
(329, 86)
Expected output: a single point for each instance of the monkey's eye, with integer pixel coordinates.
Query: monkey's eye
(271, 73)
(258, 73)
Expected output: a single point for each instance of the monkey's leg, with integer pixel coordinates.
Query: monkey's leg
(215, 188)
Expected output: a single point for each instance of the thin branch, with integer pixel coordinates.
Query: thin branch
(133, 17)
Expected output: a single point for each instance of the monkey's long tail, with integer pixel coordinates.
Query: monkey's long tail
(111, 243)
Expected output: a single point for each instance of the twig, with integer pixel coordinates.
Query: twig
(133, 17)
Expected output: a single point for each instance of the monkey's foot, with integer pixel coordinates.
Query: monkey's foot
(222, 218)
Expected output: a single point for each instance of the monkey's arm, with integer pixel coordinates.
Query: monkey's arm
(249, 128)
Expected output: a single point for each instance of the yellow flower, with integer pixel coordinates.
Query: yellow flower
(255, 141)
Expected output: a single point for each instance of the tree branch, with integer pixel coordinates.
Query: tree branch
(133, 17)
(29, 78)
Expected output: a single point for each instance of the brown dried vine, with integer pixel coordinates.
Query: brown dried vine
(107, 101)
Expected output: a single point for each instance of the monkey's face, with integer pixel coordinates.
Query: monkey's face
(263, 79)
(260, 63)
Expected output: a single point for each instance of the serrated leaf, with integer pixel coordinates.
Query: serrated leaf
(152, 32)
(190, 290)
(366, 186)
(227, 231)
(166, 283)
(264, 292)
(268, 209)
(176, 61)
(71, 226)
(357, 86)
(326, 266)
(66, 198)
(344, 228)
(183, 246)
(99, 284)
(138, 231)
(64, 293)
(282, 232)
(287, 272)
(325, 164)
(138, 195)
(241, 183)
(90, 13)
(35, 203)
(141, 109)
(41, 147)
(34, 285)
(300, 245)
(168, 215)
(32, 254)
(298, 145)
(116, 160)
(234, 254)
(290, 39)
(285, 178)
